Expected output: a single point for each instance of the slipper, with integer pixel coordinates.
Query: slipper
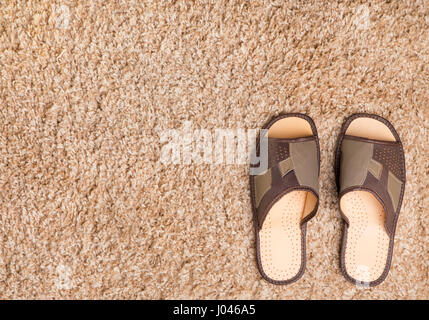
(285, 197)
(370, 176)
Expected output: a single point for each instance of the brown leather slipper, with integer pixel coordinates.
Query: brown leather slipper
(285, 197)
(370, 174)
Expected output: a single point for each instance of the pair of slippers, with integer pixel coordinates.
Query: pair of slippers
(370, 177)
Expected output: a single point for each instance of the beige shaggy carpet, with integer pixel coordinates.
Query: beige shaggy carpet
(87, 210)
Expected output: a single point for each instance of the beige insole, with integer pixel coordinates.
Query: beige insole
(367, 241)
(370, 128)
(291, 127)
(280, 236)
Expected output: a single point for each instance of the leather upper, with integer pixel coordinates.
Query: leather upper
(293, 164)
(375, 166)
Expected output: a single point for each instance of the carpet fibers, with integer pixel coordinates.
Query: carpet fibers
(88, 210)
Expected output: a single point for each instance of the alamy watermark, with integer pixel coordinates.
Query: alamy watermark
(238, 146)
(64, 281)
(364, 273)
(63, 16)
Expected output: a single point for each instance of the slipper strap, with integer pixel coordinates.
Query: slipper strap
(293, 164)
(374, 166)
